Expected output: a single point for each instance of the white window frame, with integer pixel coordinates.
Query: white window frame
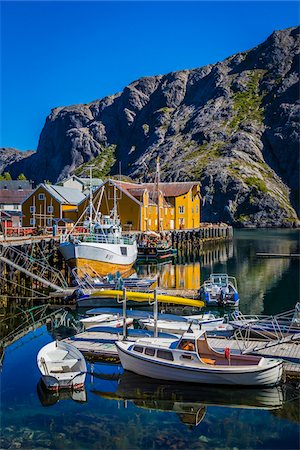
(50, 209)
(197, 209)
(49, 222)
(181, 209)
(41, 196)
(32, 221)
(32, 209)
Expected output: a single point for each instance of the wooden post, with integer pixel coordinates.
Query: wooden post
(124, 313)
(155, 312)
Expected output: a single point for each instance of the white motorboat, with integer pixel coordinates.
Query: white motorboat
(62, 366)
(103, 248)
(219, 290)
(191, 359)
(206, 322)
(106, 320)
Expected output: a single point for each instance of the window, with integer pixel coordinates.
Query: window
(1, 206)
(124, 251)
(32, 209)
(150, 351)
(32, 221)
(192, 210)
(16, 206)
(181, 209)
(138, 349)
(197, 209)
(49, 222)
(165, 354)
(191, 194)
(50, 209)
(41, 196)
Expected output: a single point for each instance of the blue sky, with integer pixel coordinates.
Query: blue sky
(62, 53)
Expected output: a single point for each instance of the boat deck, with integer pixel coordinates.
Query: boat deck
(96, 344)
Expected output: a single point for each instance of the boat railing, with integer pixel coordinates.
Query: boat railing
(99, 239)
(102, 239)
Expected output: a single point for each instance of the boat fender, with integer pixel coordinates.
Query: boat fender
(227, 354)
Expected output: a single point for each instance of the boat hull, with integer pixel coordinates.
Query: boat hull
(269, 376)
(53, 384)
(103, 258)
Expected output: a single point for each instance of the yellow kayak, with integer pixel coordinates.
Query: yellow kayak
(147, 296)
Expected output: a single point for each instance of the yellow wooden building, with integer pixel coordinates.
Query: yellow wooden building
(47, 204)
(148, 207)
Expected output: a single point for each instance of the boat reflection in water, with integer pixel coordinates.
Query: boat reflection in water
(49, 398)
(189, 401)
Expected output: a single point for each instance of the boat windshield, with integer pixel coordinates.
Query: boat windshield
(187, 345)
(219, 280)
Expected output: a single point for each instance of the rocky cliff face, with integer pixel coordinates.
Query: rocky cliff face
(10, 155)
(233, 125)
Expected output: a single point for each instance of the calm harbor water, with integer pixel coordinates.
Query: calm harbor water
(121, 411)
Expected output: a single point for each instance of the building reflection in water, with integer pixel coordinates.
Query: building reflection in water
(184, 271)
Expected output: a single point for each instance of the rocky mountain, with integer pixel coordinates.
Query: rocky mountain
(234, 125)
(10, 155)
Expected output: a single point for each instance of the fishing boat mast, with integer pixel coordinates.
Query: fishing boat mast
(157, 191)
(115, 204)
(91, 197)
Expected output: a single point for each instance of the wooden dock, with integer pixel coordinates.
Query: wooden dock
(97, 346)
(278, 255)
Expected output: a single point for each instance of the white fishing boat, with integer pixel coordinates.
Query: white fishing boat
(106, 320)
(62, 366)
(205, 321)
(219, 290)
(103, 248)
(191, 359)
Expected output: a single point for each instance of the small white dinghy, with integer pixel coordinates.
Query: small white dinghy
(105, 320)
(208, 322)
(191, 359)
(62, 366)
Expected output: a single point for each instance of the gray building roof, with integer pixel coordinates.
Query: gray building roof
(65, 195)
(15, 184)
(85, 181)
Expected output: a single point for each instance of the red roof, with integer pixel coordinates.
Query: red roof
(14, 196)
(173, 189)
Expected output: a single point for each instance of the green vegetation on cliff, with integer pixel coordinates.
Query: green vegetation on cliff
(102, 163)
(247, 104)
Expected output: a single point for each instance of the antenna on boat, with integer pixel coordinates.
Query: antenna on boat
(91, 195)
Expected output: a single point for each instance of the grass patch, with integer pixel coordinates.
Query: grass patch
(165, 110)
(103, 163)
(203, 156)
(247, 104)
(243, 218)
(258, 184)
